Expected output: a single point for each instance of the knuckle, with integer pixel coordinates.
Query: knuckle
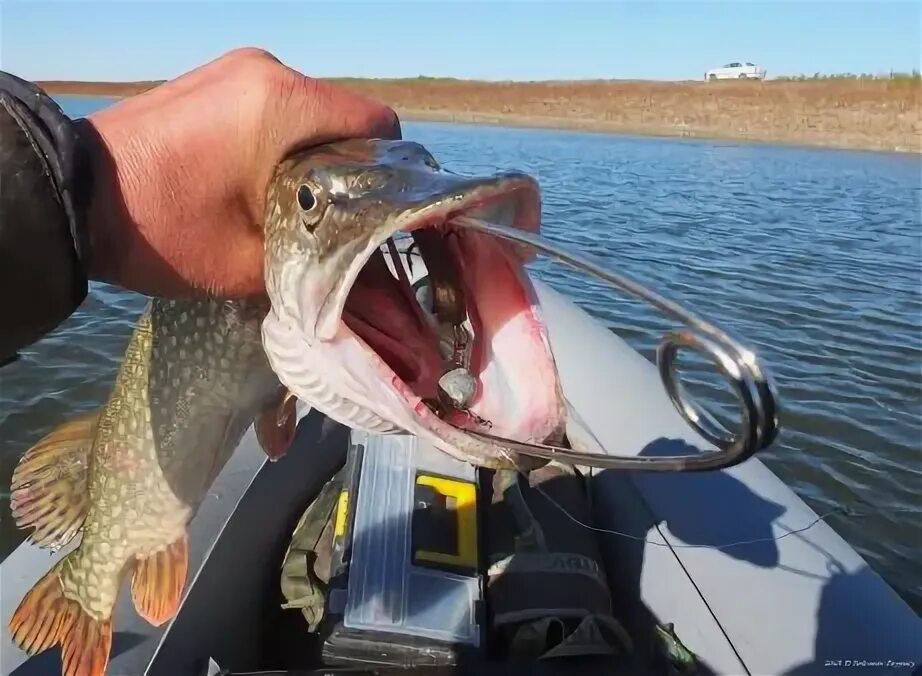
(251, 70)
(263, 75)
(250, 54)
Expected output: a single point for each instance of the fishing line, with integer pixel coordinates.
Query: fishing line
(845, 511)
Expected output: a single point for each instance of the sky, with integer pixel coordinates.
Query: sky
(513, 40)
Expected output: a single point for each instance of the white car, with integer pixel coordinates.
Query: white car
(736, 71)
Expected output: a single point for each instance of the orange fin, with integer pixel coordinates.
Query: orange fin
(158, 581)
(49, 488)
(275, 426)
(45, 618)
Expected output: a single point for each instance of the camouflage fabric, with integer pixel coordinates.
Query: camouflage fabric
(306, 566)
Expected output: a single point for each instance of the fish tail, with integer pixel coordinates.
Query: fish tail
(45, 618)
(158, 581)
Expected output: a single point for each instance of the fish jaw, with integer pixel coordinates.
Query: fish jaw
(343, 336)
(347, 381)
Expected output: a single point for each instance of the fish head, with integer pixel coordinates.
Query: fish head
(346, 333)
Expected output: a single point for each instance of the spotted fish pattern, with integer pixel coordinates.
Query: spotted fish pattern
(130, 477)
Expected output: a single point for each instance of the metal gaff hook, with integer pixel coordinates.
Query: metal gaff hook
(743, 369)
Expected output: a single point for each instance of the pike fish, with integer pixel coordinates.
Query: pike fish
(340, 330)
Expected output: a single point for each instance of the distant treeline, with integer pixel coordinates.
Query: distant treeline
(914, 76)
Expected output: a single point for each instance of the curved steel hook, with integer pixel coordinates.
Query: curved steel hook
(739, 364)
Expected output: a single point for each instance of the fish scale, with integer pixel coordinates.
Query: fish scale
(192, 380)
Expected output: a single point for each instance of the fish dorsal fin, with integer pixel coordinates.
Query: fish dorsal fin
(49, 491)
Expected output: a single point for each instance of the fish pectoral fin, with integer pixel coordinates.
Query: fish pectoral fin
(158, 581)
(45, 618)
(49, 490)
(276, 424)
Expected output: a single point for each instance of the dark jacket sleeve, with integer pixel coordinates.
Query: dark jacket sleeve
(45, 184)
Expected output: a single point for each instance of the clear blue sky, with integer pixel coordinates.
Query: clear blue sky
(130, 40)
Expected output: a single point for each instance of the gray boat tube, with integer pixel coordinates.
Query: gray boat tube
(806, 603)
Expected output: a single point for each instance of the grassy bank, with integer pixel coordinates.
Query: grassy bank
(906, 78)
(844, 112)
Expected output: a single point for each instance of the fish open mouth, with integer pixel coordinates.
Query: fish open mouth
(469, 348)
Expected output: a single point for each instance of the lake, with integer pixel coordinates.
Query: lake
(813, 256)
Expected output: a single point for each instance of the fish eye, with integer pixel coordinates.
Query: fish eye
(309, 206)
(306, 199)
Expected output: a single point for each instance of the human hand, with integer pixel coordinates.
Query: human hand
(181, 171)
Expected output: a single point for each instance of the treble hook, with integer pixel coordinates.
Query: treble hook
(739, 364)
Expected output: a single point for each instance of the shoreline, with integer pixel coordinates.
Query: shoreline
(879, 116)
(554, 124)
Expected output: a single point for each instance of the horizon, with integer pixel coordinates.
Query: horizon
(496, 42)
(587, 80)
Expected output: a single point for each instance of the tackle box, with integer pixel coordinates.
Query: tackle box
(405, 580)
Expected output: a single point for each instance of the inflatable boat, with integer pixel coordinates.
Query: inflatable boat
(742, 572)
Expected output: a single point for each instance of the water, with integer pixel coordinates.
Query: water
(812, 255)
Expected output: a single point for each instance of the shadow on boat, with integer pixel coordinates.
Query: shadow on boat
(709, 511)
(840, 645)
(698, 520)
(695, 519)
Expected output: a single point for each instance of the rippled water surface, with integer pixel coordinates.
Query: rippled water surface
(813, 256)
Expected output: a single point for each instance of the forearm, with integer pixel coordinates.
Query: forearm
(45, 186)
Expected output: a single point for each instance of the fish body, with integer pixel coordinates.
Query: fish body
(340, 330)
(130, 477)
